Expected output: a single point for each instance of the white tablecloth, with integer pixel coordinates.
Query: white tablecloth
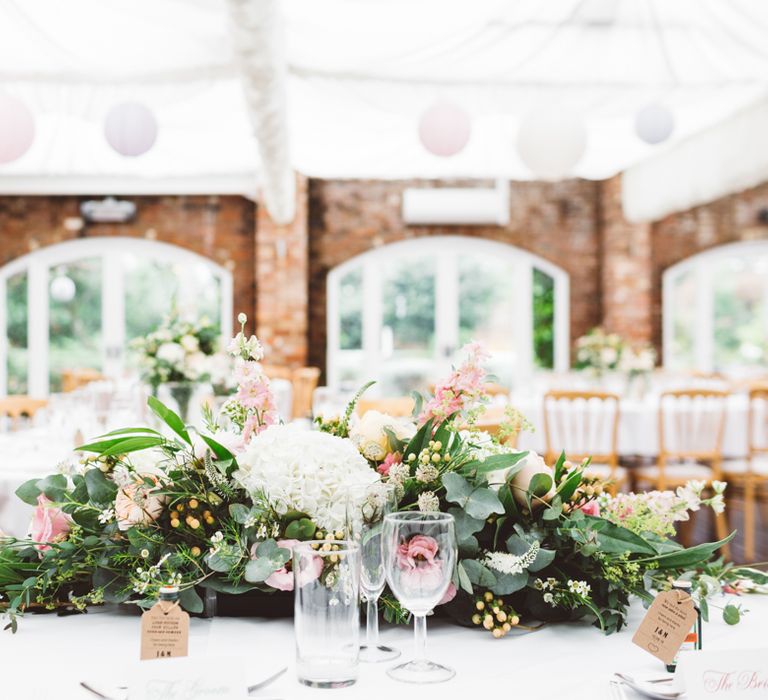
(639, 426)
(49, 656)
(25, 455)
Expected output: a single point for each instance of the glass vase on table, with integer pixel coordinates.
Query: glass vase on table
(419, 557)
(327, 612)
(366, 509)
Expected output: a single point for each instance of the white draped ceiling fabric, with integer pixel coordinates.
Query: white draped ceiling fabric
(245, 89)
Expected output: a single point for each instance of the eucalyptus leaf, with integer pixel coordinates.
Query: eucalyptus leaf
(29, 491)
(731, 614)
(509, 583)
(100, 490)
(302, 529)
(479, 574)
(478, 502)
(190, 600)
(53, 486)
(464, 582)
(240, 513)
(259, 570)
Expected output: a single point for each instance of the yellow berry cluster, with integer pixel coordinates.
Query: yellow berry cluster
(328, 543)
(430, 454)
(105, 463)
(589, 488)
(494, 615)
(193, 513)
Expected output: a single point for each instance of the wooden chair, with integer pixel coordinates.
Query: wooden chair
(277, 372)
(305, 381)
(691, 424)
(399, 407)
(751, 474)
(17, 407)
(585, 424)
(74, 379)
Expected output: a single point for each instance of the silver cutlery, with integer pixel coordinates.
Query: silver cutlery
(617, 692)
(643, 689)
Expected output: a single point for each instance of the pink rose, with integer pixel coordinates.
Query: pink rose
(591, 508)
(389, 460)
(282, 579)
(49, 524)
(419, 567)
(418, 549)
(450, 594)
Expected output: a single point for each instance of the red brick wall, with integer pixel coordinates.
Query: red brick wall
(281, 284)
(219, 228)
(558, 222)
(625, 263)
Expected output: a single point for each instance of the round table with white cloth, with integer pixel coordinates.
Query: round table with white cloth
(50, 655)
(639, 426)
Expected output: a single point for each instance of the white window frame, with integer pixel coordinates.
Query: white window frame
(446, 251)
(702, 265)
(38, 265)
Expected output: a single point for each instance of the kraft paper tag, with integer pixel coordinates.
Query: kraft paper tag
(666, 625)
(164, 631)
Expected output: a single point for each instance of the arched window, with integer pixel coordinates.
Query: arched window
(716, 309)
(399, 313)
(78, 304)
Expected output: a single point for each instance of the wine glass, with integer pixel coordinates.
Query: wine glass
(419, 558)
(366, 509)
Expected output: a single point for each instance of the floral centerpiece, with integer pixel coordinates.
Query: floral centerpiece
(638, 363)
(219, 508)
(178, 355)
(599, 352)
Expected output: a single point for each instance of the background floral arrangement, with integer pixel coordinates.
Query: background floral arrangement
(178, 351)
(220, 508)
(599, 351)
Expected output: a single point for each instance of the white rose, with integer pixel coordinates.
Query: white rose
(190, 343)
(532, 464)
(172, 353)
(370, 437)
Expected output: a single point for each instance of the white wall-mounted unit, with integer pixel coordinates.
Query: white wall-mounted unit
(457, 206)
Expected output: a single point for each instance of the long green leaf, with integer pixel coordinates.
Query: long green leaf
(614, 539)
(494, 463)
(171, 419)
(134, 444)
(689, 557)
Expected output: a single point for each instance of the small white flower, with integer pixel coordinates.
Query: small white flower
(428, 502)
(719, 486)
(426, 473)
(242, 318)
(549, 598)
(507, 563)
(107, 516)
(145, 553)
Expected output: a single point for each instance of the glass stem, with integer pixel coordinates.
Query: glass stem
(420, 637)
(372, 624)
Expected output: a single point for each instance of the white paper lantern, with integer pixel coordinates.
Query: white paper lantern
(654, 123)
(130, 128)
(550, 143)
(63, 288)
(444, 129)
(17, 128)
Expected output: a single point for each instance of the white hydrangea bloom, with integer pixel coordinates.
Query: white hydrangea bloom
(304, 470)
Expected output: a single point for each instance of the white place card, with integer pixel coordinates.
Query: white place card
(207, 678)
(725, 674)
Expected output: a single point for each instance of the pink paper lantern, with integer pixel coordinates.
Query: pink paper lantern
(130, 128)
(444, 129)
(17, 128)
